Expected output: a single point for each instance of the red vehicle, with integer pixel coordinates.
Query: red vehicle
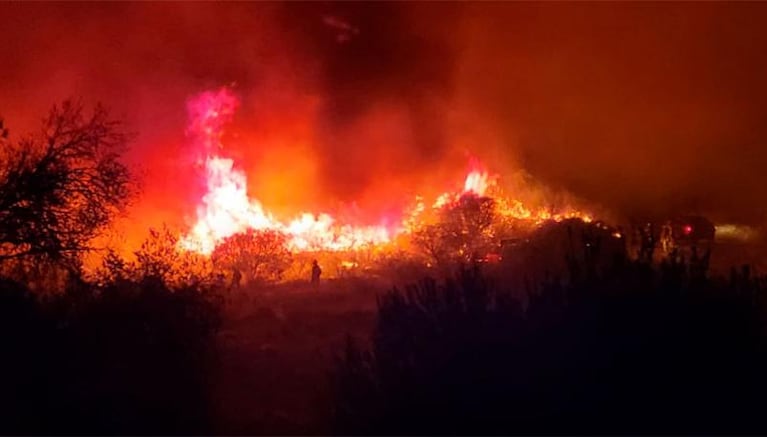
(684, 233)
(691, 231)
(680, 233)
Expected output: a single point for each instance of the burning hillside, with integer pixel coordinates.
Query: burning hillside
(227, 208)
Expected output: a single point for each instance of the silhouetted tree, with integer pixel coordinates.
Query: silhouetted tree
(262, 255)
(59, 188)
(463, 229)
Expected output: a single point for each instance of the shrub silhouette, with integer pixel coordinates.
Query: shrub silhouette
(159, 257)
(632, 349)
(129, 357)
(462, 228)
(262, 255)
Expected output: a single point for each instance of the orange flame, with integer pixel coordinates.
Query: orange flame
(477, 182)
(227, 209)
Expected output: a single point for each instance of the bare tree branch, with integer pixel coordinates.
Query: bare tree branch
(60, 188)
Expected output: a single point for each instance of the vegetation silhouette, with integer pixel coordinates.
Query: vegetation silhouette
(261, 255)
(462, 229)
(627, 349)
(61, 187)
(567, 335)
(126, 352)
(128, 357)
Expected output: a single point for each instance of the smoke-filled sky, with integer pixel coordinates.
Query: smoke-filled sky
(644, 108)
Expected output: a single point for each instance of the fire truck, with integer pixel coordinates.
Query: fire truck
(676, 235)
(686, 232)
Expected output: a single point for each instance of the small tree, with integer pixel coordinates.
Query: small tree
(431, 240)
(462, 229)
(60, 188)
(260, 254)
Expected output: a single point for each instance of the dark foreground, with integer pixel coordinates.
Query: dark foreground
(276, 353)
(618, 347)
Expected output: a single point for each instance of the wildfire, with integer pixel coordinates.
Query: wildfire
(227, 209)
(480, 183)
(476, 182)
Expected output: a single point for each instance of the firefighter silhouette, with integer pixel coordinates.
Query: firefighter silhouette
(236, 278)
(316, 272)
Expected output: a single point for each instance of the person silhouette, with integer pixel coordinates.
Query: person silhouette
(236, 278)
(316, 272)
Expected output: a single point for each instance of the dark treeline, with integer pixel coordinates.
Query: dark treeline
(126, 358)
(631, 349)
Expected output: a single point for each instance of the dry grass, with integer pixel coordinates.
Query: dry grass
(276, 351)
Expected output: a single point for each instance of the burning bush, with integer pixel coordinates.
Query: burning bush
(261, 255)
(161, 259)
(462, 231)
(470, 217)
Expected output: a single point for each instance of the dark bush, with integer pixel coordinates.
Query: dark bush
(635, 349)
(125, 358)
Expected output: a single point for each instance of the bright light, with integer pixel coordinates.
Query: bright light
(227, 208)
(736, 232)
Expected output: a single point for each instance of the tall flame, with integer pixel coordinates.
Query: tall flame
(477, 182)
(227, 209)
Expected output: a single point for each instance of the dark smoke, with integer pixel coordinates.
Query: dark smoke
(644, 108)
(377, 62)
